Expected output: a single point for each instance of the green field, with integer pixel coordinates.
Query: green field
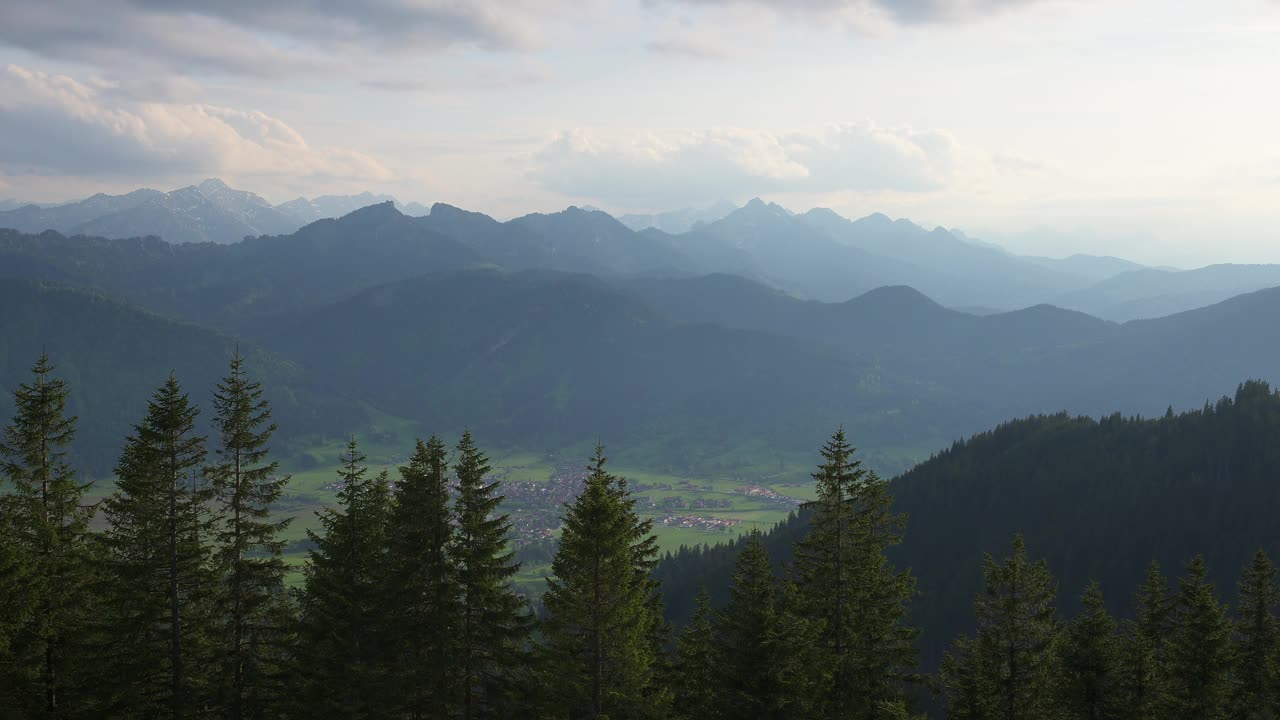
(313, 474)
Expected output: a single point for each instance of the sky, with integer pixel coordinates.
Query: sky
(1139, 128)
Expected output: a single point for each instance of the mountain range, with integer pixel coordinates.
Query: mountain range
(211, 211)
(551, 329)
(816, 254)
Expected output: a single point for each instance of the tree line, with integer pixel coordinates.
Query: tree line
(169, 600)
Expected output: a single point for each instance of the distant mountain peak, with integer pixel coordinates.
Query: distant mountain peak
(213, 184)
(822, 213)
(874, 221)
(896, 296)
(377, 211)
(445, 210)
(758, 208)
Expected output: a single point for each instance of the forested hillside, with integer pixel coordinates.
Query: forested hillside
(173, 602)
(111, 353)
(1098, 498)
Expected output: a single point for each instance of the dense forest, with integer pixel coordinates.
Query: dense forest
(169, 598)
(1099, 498)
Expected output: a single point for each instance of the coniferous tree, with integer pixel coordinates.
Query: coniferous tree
(1256, 691)
(748, 656)
(1007, 670)
(601, 617)
(494, 621)
(797, 674)
(697, 666)
(14, 611)
(846, 580)
(1090, 663)
(1200, 650)
(968, 679)
(249, 562)
(159, 540)
(422, 586)
(342, 668)
(1143, 648)
(45, 525)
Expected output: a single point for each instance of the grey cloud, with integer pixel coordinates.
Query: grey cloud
(901, 11)
(262, 37)
(426, 24)
(648, 171)
(116, 34)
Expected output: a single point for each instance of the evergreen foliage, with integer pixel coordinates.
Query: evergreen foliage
(159, 540)
(1089, 675)
(494, 622)
(249, 563)
(340, 667)
(1008, 670)
(848, 583)
(750, 655)
(1256, 693)
(696, 681)
(408, 609)
(47, 564)
(422, 586)
(1200, 652)
(1143, 648)
(602, 622)
(798, 675)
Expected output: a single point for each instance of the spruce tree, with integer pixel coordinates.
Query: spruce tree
(422, 586)
(45, 525)
(14, 613)
(601, 621)
(250, 566)
(697, 666)
(1090, 675)
(797, 673)
(1007, 670)
(1200, 650)
(494, 622)
(1256, 691)
(159, 540)
(968, 680)
(846, 581)
(343, 667)
(1143, 648)
(748, 656)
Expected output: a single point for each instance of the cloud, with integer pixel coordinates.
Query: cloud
(648, 170)
(864, 14)
(256, 38)
(56, 125)
(459, 79)
(687, 47)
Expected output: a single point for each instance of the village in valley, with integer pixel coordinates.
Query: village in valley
(536, 505)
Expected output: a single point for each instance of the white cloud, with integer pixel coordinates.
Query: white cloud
(56, 125)
(649, 170)
(687, 46)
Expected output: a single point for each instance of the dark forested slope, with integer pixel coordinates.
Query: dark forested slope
(1100, 499)
(112, 354)
(550, 358)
